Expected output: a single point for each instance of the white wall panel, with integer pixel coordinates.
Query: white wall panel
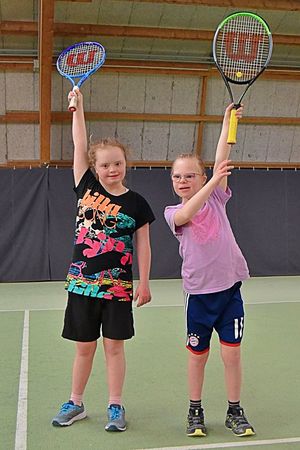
(295, 153)
(67, 142)
(21, 91)
(131, 94)
(104, 92)
(286, 99)
(3, 95)
(56, 142)
(280, 143)
(210, 138)
(130, 133)
(155, 141)
(59, 100)
(217, 96)
(2, 143)
(99, 130)
(158, 94)
(11, 11)
(147, 14)
(256, 143)
(260, 98)
(21, 142)
(186, 95)
(182, 139)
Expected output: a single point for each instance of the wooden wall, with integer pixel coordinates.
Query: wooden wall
(157, 112)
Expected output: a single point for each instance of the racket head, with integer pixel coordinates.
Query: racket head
(80, 61)
(242, 47)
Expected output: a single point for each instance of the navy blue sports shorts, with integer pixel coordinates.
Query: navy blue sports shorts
(222, 311)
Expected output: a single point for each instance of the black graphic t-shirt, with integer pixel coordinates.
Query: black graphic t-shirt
(102, 259)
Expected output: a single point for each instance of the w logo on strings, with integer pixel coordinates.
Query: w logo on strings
(242, 46)
(80, 59)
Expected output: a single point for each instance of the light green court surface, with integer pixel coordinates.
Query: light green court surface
(155, 394)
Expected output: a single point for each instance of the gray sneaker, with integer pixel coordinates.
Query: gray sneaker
(237, 422)
(195, 423)
(68, 414)
(116, 418)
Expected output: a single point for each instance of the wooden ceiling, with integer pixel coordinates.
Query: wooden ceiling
(152, 30)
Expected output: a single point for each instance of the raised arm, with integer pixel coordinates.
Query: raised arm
(80, 160)
(195, 203)
(223, 149)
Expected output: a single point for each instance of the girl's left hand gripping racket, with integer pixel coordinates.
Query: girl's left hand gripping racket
(242, 49)
(80, 61)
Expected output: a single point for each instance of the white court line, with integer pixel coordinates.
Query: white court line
(231, 444)
(21, 427)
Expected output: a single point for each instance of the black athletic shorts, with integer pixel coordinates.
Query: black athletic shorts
(86, 316)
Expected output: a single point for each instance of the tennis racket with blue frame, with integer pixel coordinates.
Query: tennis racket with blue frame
(242, 49)
(80, 61)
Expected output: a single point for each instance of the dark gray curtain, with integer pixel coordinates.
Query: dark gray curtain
(24, 225)
(38, 216)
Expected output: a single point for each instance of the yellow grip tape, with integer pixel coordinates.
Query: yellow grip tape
(231, 139)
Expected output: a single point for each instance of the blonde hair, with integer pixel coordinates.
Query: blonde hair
(102, 144)
(191, 156)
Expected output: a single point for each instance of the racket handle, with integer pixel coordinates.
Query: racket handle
(73, 104)
(231, 139)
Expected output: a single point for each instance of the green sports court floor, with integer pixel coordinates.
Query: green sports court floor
(35, 373)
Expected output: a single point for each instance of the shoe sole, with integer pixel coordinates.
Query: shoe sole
(114, 428)
(247, 432)
(197, 433)
(80, 416)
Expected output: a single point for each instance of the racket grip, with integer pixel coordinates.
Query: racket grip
(73, 104)
(231, 139)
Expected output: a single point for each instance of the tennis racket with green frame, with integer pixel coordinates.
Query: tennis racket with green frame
(242, 49)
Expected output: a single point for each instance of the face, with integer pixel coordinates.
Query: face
(110, 166)
(187, 178)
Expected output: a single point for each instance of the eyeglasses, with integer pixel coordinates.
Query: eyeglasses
(187, 177)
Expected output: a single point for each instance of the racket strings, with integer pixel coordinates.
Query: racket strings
(81, 59)
(242, 48)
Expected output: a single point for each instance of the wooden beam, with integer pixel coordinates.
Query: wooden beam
(20, 117)
(15, 63)
(78, 29)
(71, 29)
(202, 113)
(45, 59)
(65, 116)
(18, 27)
(16, 164)
(284, 5)
(75, 1)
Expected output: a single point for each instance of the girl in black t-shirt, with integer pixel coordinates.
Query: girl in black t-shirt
(99, 280)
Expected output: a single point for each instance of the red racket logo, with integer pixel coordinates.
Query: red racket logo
(80, 59)
(242, 46)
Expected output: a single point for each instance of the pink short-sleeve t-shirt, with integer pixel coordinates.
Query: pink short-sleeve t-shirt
(212, 259)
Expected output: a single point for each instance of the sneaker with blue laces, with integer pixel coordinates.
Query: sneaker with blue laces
(68, 414)
(116, 418)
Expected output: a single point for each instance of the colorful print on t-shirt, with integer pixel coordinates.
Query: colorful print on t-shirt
(103, 248)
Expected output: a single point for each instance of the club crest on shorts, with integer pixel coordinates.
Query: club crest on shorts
(193, 340)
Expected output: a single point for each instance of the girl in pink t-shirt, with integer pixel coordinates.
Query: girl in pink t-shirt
(212, 271)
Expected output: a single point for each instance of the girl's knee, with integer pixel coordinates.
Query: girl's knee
(231, 355)
(86, 348)
(113, 347)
